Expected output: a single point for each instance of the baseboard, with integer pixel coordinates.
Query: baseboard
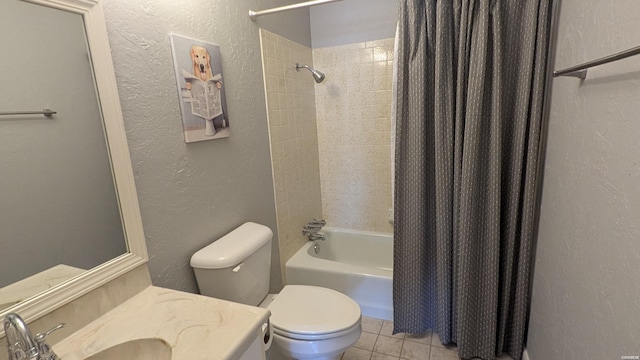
(525, 355)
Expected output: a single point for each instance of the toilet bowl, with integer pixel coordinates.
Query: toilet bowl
(330, 349)
(309, 322)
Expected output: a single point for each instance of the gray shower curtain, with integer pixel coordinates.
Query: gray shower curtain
(471, 77)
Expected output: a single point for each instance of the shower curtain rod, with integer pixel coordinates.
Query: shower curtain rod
(254, 14)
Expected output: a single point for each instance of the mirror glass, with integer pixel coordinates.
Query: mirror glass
(59, 211)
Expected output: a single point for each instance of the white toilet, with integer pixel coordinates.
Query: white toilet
(309, 322)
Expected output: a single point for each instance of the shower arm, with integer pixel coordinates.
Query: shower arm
(317, 75)
(298, 67)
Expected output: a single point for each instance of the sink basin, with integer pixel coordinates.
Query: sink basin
(141, 349)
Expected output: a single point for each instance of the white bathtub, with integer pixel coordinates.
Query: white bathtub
(356, 263)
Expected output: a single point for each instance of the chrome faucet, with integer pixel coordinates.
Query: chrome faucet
(311, 231)
(313, 227)
(320, 222)
(22, 345)
(316, 236)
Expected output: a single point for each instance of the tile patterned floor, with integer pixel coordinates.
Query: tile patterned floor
(378, 343)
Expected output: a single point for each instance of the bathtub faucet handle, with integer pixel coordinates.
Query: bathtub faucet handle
(308, 231)
(320, 222)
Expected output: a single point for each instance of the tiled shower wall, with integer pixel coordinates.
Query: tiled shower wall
(353, 110)
(294, 140)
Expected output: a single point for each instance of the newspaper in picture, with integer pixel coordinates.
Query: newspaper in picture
(205, 96)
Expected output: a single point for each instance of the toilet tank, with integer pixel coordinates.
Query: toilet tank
(237, 266)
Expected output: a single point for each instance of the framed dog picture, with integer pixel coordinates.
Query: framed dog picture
(198, 67)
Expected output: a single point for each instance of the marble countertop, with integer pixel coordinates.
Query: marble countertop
(195, 326)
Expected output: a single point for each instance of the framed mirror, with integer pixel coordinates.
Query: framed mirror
(71, 216)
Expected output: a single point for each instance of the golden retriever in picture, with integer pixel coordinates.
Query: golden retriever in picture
(201, 69)
(201, 63)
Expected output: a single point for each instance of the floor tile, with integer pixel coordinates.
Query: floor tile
(356, 354)
(371, 325)
(366, 341)
(378, 356)
(415, 351)
(388, 345)
(435, 341)
(420, 338)
(387, 330)
(377, 336)
(440, 353)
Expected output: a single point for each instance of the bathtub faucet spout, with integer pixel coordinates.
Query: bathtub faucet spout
(314, 237)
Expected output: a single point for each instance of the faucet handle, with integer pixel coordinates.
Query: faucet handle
(309, 231)
(40, 337)
(44, 349)
(16, 351)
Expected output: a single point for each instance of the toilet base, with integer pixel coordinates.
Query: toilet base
(275, 354)
(284, 348)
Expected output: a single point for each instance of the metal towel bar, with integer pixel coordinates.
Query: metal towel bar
(45, 112)
(580, 71)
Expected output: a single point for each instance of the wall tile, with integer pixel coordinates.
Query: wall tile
(330, 143)
(291, 111)
(353, 108)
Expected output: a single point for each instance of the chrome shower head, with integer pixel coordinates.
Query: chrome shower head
(317, 75)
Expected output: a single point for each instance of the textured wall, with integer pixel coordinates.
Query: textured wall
(192, 194)
(586, 291)
(294, 140)
(353, 107)
(353, 21)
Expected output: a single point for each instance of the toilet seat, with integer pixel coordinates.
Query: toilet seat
(312, 337)
(304, 312)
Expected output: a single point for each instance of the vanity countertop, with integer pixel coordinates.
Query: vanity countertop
(195, 326)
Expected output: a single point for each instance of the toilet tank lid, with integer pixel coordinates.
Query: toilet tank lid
(233, 248)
